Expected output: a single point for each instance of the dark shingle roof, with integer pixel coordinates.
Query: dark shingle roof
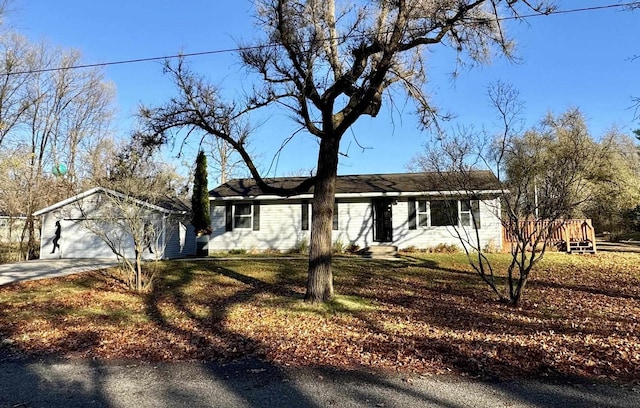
(172, 204)
(373, 183)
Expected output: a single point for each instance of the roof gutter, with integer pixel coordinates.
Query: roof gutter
(367, 195)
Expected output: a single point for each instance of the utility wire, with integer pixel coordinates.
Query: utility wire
(237, 49)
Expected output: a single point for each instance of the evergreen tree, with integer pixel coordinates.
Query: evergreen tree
(201, 219)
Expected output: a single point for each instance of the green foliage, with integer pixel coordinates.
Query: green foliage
(338, 247)
(616, 189)
(562, 170)
(550, 167)
(632, 217)
(301, 247)
(238, 251)
(201, 218)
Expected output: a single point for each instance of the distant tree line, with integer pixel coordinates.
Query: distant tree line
(56, 135)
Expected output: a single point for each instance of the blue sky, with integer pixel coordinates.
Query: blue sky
(570, 60)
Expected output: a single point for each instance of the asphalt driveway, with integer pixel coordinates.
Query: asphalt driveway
(50, 268)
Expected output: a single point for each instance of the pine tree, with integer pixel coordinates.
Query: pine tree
(201, 219)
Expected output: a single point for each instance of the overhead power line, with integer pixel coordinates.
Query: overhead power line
(237, 49)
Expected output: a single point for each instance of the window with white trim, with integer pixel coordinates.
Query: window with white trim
(465, 213)
(307, 208)
(444, 213)
(470, 213)
(242, 215)
(423, 213)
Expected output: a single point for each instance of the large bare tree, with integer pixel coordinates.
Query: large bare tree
(329, 63)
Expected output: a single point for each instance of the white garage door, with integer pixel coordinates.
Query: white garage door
(76, 241)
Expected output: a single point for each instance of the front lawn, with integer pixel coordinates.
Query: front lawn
(424, 314)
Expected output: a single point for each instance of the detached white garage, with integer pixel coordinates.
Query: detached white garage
(101, 223)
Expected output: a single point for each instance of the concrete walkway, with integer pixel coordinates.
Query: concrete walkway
(50, 268)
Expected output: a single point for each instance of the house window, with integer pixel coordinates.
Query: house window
(469, 212)
(242, 215)
(444, 213)
(305, 215)
(465, 213)
(423, 213)
(306, 212)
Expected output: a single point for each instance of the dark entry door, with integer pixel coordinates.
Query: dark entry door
(382, 222)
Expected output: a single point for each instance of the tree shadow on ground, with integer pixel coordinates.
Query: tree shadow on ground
(605, 291)
(231, 345)
(247, 375)
(253, 383)
(453, 309)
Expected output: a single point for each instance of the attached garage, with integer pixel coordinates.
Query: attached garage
(101, 223)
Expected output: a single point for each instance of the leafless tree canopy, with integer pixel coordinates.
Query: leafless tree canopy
(48, 118)
(551, 172)
(328, 63)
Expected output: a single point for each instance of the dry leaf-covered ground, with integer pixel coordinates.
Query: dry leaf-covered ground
(427, 314)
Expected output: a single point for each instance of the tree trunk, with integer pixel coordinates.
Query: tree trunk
(522, 282)
(31, 241)
(320, 278)
(138, 270)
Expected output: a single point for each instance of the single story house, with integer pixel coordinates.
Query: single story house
(420, 210)
(99, 222)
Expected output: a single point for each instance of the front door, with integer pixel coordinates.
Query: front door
(382, 222)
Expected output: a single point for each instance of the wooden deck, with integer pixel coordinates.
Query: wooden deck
(571, 235)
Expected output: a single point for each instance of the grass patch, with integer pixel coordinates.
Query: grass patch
(350, 304)
(426, 313)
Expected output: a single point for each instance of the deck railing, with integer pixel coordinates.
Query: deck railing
(561, 233)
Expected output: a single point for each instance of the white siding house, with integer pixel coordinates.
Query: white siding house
(403, 210)
(90, 225)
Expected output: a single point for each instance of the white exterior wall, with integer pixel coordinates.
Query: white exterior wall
(355, 223)
(490, 232)
(280, 227)
(180, 239)
(78, 241)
